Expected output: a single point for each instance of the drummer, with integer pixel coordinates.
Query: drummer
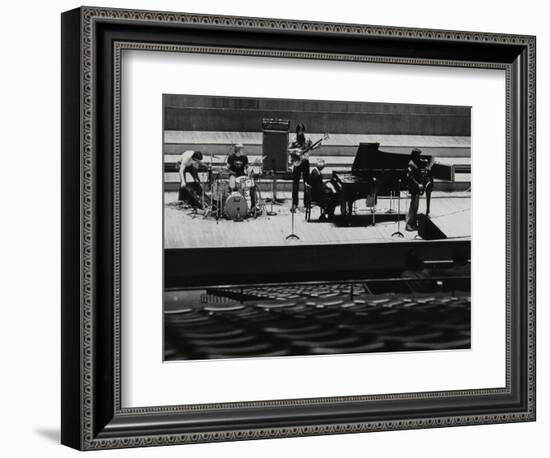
(237, 163)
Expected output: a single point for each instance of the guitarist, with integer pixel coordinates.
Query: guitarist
(419, 182)
(299, 153)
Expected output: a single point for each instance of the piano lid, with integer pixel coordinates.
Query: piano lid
(370, 157)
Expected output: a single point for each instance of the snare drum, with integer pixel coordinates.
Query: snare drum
(249, 183)
(236, 206)
(244, 183)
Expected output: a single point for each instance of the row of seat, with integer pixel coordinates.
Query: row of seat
(333, 327)
(314, 320)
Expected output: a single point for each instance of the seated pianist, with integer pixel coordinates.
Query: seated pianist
(324, 193)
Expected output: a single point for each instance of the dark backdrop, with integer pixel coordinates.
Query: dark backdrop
(241, 114)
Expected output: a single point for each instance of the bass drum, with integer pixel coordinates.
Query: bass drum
(236, 207)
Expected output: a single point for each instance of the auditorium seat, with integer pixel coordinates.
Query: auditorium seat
(313, 319)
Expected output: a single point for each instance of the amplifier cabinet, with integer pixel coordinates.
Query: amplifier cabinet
(275, 144)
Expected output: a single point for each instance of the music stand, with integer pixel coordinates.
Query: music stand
(398, 233)
(292, 235)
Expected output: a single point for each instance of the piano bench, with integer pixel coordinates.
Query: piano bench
(309, 207)
(309, 203)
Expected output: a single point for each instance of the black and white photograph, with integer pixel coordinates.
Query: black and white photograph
(248, 229)
(252, 187)
(276, 220)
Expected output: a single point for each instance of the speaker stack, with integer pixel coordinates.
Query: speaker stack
(275, 144)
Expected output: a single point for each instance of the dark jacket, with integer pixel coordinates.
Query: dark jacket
(317, 185)
(237, 164)
(414, 177)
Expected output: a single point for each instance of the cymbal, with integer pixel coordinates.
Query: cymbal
(259, 161)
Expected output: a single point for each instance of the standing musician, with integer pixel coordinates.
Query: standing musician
(300, 161)
(418, 173)
(189, 162)
(237, 163)
(326, 194)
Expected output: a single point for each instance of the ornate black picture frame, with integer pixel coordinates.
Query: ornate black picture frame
(92, 42)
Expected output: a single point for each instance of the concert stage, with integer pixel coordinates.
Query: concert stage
(366, 148)
(182, 229)
(203, 251)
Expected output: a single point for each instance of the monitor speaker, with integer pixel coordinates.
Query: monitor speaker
(275, 145)
(428, 230)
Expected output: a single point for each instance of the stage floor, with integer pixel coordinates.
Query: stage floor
(449, 211)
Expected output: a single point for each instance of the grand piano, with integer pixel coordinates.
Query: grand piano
(377, 173)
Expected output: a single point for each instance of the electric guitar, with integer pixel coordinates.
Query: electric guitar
(425, 176)
(298, 154)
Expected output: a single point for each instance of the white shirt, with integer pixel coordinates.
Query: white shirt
(186, 159)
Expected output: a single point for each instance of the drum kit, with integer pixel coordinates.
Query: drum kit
(234, 198)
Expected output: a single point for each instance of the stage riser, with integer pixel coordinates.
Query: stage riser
(325, 150)
(271, 264)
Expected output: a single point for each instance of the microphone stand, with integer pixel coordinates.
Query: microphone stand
(292, 235)
(398, 233)
(391, 210)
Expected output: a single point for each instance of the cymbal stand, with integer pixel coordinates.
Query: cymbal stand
(273, 194)
(208, 209)
(204, 212)
(214, 206)
(195, 212)
(219, 205)
(398, 233)
(261, 206)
